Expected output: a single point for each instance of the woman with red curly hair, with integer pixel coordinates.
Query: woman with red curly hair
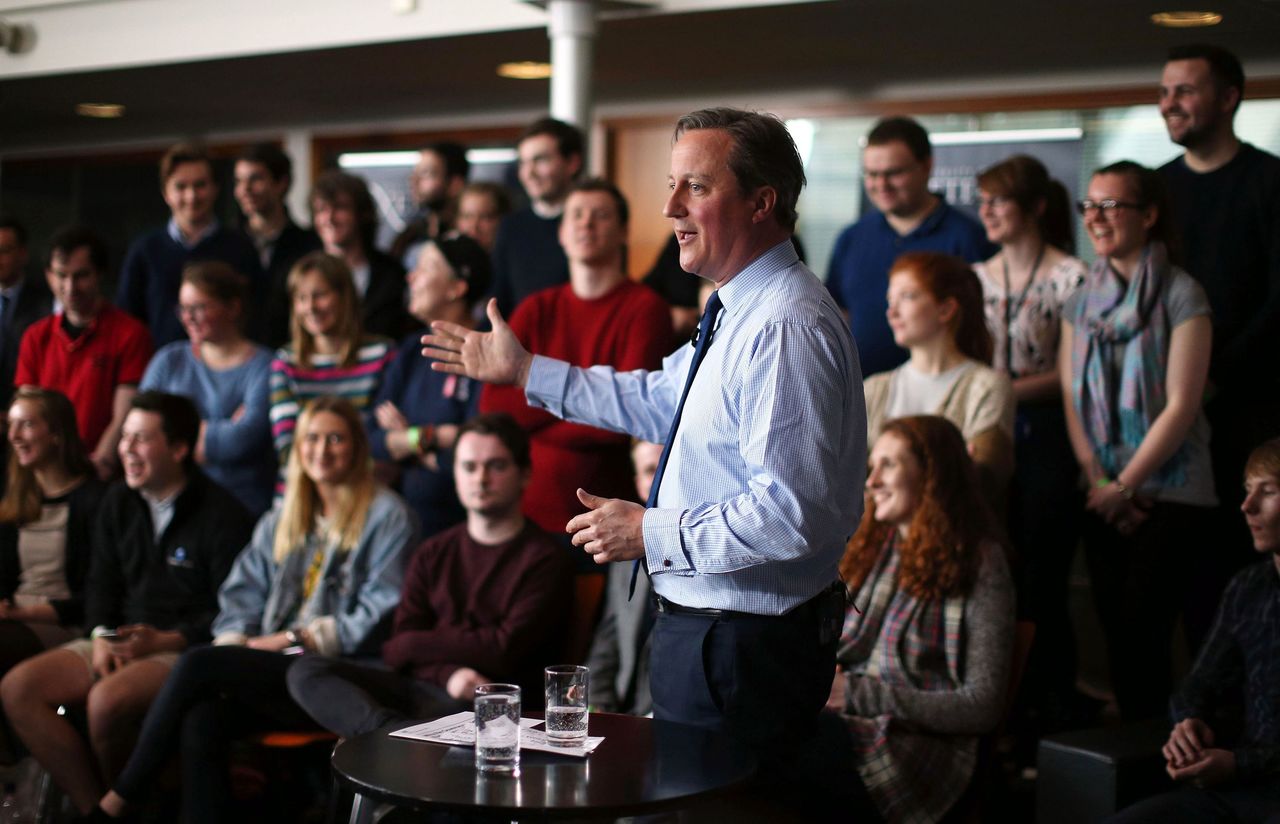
(924, 656)
(936, 312)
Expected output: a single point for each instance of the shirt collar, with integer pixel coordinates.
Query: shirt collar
(927, 226)
(176, 234)
(739, 288)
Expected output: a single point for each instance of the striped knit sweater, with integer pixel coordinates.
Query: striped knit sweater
(293, 384)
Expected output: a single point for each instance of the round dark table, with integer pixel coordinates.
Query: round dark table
(641, 766)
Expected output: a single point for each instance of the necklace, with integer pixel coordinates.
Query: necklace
(1011, 308)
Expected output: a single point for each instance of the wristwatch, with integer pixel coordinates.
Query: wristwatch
(293, 637)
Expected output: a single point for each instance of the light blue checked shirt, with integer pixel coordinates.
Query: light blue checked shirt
(764, 483)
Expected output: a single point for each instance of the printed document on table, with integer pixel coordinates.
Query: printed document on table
(459, 730)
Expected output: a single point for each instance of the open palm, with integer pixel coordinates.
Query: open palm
(491, 357)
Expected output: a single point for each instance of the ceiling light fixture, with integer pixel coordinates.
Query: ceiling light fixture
(100, 110)
(1186, 19)
(525, 70)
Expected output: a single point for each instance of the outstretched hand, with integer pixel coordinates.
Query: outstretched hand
(612, 531)
(491, 357)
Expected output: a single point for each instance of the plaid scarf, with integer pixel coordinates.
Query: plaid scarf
(1116, 410)
(912, 776)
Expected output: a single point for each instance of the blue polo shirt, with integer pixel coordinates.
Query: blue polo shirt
(858, 276)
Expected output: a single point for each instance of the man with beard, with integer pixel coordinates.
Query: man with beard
(527, 256)
(1226, 205)
(436, 183)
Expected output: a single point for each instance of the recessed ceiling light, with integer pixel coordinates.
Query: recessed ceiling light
(105, 110)
(1186, 19)
(525, 70)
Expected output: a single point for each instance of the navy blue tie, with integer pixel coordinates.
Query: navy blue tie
(706, 328)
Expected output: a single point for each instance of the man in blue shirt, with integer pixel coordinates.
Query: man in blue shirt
(896, 165)
(764, 467)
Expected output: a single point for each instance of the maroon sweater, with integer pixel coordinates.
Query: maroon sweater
(628, 328)
(501, 610)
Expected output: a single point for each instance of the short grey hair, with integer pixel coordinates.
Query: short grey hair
(763, 154)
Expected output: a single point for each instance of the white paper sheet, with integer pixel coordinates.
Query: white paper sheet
(459, 730)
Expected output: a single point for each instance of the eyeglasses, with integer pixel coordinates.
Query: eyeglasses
(885, 174)
(1106, 207)
(194, 310)
(994, 202)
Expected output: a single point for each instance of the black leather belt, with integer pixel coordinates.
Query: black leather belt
(672, 608)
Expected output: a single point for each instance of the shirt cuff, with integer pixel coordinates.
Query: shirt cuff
(324, 635)
(663, 545)
(546, 385)
(231, 639)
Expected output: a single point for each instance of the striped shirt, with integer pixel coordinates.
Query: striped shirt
(293, 384)
(764, 482)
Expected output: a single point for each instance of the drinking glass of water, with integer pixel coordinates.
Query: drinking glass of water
(566, 709)
(497, 712)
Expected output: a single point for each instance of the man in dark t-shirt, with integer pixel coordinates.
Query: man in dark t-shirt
(485, 601)
(1226, 204)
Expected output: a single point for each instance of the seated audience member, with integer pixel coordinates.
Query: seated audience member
(152, 269)
(165, 538)
(1025, 286)
(481, 208)
(417, 410)
(24, 299)
(46, 524)
(92, 352)
(344, 215)
(329, 353)
(226, 375)
(924, 658)
(619, 657)
(527, 254)
(1133, 360)
(599, 317)
(322, 574)
(485, 601)
(1232, 778)
(264, 174)
(435, 184)
(935, 312)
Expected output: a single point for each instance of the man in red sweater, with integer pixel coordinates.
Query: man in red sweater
(486, 601)
(599, 317)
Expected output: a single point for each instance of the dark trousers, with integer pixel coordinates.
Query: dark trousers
(763, 680)
(1250, 804)
(213, 696)
(349, 698)
(1044, 526)
(1139, 582)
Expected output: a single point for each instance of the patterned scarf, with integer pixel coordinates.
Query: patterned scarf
(1116, 410)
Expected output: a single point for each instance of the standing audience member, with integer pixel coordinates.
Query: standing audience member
(1226, 207)
(346, 219)
(330, 354)
(417, 410)
(527, 256)
(46, 525)
(935, 311)
(1025, 285)
(928, 636)
(481, 209)
(92, 352)
(166, 537)
(1133, 359)
(436, 183)
(1228, 777)
(226, 375)
(599, 317)
(321, 575)
(896, 165)
(24, 299)
(619, 657)
(264, 174)
(152, 269)
(485, 601)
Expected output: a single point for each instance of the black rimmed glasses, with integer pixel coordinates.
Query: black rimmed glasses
(1106, 208)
